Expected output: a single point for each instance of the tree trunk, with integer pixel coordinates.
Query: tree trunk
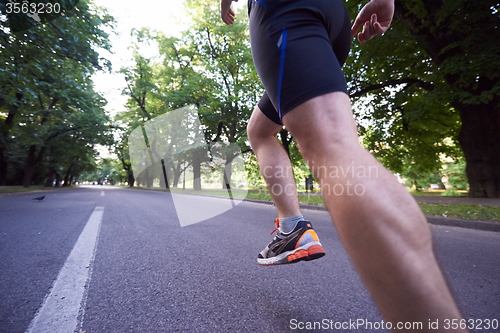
(197, 159)
(50, 176)
(31, 162)
(131, 179)
(164, 177)
(65, 181)
(177, 169)
(480, 141)
(58, 178)
(130, 174)
(196, 175)
(28, 174)
(30, 166)
(67, 177)
(149, 176)
(228, 172)
(3, 167)
(4, 132)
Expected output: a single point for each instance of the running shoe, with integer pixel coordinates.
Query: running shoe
(301, 243)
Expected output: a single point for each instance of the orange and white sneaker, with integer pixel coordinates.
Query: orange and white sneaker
(302, 243)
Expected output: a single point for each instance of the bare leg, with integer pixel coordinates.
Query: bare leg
(379, 222)
(274, 163)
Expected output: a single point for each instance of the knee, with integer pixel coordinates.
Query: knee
(260, 130)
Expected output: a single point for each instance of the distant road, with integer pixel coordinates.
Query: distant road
(108, 259)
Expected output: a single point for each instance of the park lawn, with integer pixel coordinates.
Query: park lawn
(16, 189)
(462, 211)
(21, 189)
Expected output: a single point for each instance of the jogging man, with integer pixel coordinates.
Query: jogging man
(299, 47)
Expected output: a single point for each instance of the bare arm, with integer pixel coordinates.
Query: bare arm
(226, 12)
(376, 17)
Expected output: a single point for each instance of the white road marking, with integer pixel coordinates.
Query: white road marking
(61, 307)
(102, 193)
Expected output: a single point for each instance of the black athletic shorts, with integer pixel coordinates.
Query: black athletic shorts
(298, 48)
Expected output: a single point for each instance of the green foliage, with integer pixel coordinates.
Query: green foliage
(418, 181)
(223, 53)
(410, 87)
(107, 170)
(210, 67)
(451, 193)
(254, 178)
(53, 116)
(455, 172)
(405, 86)
(16, 20)
(398, 103)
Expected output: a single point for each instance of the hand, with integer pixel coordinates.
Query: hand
(226, 12)
(376, 17)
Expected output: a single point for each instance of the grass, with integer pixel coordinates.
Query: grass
(435, 193)
(461, 211)
(213, 192)
(18, 189)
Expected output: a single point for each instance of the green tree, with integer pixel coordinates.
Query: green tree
(455, 172)
(45, 87)
(209, 67)
(433, 78)
(143, 104)
(121, 150)
(224, 53)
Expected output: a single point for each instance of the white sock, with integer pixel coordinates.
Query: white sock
(287, 224)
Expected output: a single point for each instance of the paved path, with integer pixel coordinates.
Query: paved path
(146, 273)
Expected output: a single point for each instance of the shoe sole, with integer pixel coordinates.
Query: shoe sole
(314, 252)
(306, 254)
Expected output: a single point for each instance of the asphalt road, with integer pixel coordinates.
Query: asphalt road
(143, 272)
